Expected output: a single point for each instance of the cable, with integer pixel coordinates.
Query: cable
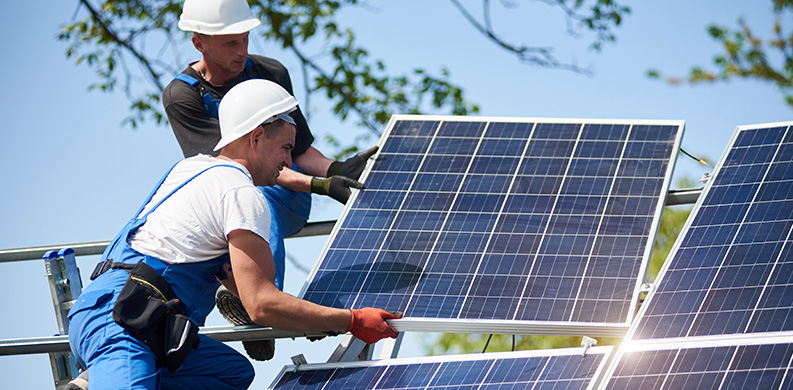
(487, 343)
(697, 159)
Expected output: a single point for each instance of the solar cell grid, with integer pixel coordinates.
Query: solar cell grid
(560, 369)
(502, 219)
(738, 366)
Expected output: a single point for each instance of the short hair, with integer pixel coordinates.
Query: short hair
(274, 128)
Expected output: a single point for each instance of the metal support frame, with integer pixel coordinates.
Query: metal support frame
(683, 196)
(65, 285)
(351, 349)
(391, 347)
(311, 229)
(224, 333)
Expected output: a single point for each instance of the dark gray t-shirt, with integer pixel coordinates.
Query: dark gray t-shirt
(197, 131)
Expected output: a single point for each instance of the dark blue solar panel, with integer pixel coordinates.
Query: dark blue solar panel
(738, 367)
(559, 370)
(731, 273)
(501, 220)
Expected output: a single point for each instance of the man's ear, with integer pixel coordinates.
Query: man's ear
(256, 136)
(198, 43)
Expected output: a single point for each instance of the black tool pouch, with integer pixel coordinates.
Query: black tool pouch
(149, 310)
(181, 335)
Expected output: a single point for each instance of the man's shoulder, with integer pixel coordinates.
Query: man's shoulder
(271, 64)
(201, 162)
(227, 173)
(180, 87)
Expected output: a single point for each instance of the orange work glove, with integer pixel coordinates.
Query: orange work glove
(368, 324)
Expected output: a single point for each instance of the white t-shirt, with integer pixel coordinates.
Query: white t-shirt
(193, 224)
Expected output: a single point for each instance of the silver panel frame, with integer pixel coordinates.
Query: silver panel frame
(606, 351)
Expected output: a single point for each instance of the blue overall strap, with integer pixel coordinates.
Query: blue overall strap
(248, 66)
(122, 235)
(154, 191)
(190, 80)
(136, 222)
(144, 217)
(210, 103)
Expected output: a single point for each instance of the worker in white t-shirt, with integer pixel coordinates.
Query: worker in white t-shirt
(135, 325)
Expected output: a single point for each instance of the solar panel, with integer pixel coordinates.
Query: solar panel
(558, 369)
(502, 225)
(719, 315)
(732, 271)
(748, 364)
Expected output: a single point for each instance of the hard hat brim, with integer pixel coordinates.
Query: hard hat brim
(236, 28)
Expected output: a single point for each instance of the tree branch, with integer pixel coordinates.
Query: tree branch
(534, 55)
(154, 77)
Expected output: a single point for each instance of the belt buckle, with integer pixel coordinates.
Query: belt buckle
(101, 268)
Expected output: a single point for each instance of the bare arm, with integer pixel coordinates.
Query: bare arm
(313, 162)
(295, 181)
(254, 273)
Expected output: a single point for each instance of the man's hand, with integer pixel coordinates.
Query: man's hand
(337, 187)
(353, 166)
(368, 324)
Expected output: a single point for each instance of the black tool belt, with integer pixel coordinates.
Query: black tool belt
(150, 311)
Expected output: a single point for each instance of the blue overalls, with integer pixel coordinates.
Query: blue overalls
(116, 359)
(289, 209)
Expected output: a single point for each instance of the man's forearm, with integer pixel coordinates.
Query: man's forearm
(313, 162)
(294, 181)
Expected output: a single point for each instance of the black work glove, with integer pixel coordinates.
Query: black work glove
(317, 338)
(354, 165)
(337, 187)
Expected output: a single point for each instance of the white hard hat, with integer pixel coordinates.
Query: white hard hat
(249, 104)
(217, 17)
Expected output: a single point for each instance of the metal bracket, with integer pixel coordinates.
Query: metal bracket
(644, 290)
(391, 347)
(587, 342)
(65, 286)
(298, 360)
(351, 349)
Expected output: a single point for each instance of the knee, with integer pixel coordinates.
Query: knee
(243, 373)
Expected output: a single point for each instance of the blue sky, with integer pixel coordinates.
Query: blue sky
(71, 173)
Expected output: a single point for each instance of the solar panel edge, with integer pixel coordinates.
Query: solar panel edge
(699, 342)
(485, 326)
(599, 352)
(353, 196)
(660, 205)
(549, 120)
(675, 247)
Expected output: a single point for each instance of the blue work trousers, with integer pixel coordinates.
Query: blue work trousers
(116, 360)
